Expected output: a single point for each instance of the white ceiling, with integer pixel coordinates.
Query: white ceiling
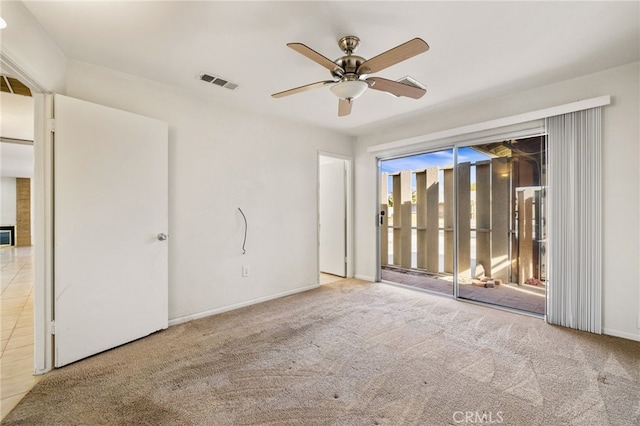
(478, 49)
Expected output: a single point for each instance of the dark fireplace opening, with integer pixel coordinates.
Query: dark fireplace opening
(7, 235)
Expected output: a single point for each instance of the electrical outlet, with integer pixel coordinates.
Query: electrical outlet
(246, 270)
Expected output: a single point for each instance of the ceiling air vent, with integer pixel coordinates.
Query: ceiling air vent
(218, 81)
(409, 81)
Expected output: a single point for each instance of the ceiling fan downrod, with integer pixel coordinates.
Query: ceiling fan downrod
(350, 62)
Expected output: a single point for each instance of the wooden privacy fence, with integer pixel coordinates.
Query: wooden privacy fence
(492, 218)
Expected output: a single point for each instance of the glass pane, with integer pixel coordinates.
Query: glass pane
(501, 223)
(417, 231)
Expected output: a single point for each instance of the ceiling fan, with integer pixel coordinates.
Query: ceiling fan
(350, 72)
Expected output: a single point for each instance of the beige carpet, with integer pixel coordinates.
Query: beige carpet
(350, 353)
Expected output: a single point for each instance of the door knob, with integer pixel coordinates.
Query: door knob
(162, 237)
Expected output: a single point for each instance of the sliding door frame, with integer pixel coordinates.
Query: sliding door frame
(536, 129)
(379, 160)
(539, 131)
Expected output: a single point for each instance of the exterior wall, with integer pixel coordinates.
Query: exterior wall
(621, 206)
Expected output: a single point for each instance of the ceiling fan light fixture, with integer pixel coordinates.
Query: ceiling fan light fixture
(350, 89)
(350, 73)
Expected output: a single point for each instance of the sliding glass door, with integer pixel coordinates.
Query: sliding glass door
(468, 222)
(416, 210)
(501, 225)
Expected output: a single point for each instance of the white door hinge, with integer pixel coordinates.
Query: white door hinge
(52, 125)
(53, 327)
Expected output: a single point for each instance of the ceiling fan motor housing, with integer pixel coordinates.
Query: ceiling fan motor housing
(349, 64)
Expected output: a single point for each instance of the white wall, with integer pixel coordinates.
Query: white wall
(7, 201)
(621, 207)
(26, 45)
(16, 160)
(219, 160)
(17, 116)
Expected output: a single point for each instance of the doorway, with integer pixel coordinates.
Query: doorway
(468, 222)
(334, 212)
(42, 232)
(416, 213)
(502, 225)
(17, 250)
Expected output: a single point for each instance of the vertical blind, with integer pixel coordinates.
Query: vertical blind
(574, 296)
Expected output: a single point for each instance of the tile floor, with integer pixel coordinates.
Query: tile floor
(16, 321)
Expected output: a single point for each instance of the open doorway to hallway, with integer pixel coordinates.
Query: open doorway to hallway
(468, 222)
(16, 242)
(334, 207)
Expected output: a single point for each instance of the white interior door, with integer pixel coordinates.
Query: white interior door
(332, 216)
(110, 205)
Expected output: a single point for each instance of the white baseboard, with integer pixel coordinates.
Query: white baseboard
(623, 334)
(38, 372)
(365, 278)
(187, 318)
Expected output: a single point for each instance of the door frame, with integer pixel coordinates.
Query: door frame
(348, 210)
(428, 150)
(465, 140)
(43, 216)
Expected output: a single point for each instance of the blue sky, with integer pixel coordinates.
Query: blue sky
(439, 158)
(422, 161)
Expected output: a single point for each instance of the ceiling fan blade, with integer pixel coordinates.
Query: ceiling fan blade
(302, 88)
(344, 107)
(316, 57)
(395, 88)
(391, 57)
